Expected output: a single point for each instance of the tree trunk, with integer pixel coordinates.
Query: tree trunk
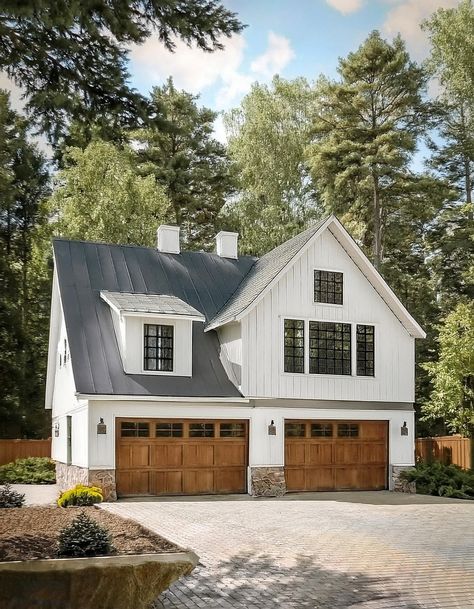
(377, 224)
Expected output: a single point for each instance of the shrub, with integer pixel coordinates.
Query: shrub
(443, 480)
(33, 470)
(10, 498)
(84, 537)
(81, 495)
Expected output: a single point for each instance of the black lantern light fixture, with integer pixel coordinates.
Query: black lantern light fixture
(272, 430)
(101, 427)
(404, 429)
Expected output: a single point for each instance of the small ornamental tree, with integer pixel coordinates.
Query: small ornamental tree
(452, 397)
(84, 537)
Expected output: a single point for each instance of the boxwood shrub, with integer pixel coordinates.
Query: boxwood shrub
(442, 480)
(33, 470)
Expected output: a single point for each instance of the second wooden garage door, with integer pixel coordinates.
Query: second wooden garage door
(336, 455)
(180, 457)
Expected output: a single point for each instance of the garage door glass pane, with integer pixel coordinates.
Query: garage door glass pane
(169, 430)
(130, 429)
(295, 430)
(348, 430)
(201, 430)
(232, 430)
(321, 430)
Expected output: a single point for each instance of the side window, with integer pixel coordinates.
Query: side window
(328, 287)
(329, 348)
(365, 350)
(293, 345)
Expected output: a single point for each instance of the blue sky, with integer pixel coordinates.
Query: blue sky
(288, 37)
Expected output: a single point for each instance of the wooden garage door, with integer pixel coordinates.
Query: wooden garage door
(180, 457)
(335, 455)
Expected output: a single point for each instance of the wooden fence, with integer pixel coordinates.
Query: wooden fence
(19, 449)
(446, 449)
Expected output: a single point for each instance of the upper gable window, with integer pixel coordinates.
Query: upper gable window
(328, 287)
(158, 348)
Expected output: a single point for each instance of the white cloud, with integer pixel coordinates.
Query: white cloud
(346, 6)
(406, 18)
(278, 54)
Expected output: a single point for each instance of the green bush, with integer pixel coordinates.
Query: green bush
(84, 537)
(81, 495)
(10, 498)
(443, 480)
(33, 470)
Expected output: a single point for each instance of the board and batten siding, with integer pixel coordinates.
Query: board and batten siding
(292, 297)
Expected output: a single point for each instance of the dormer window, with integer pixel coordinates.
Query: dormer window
(328, 287)
(158, 348)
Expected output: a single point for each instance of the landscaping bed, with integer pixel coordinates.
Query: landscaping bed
(30, 533)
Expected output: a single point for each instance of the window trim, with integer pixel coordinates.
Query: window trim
(328, 304)
(306, 319)
(157, 322)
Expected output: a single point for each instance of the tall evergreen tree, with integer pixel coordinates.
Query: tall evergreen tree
(23, 184)
(365, 133)
(268, 134)
(70, 57)
(179, 149)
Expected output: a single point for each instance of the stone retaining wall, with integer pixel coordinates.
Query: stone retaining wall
(399, 485)
(68, 476)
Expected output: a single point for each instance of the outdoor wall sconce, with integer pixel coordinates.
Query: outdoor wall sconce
(272, 430)
(101, 427)
(404, 429)
(56, 430)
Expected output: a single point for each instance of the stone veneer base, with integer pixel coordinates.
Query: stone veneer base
(267, 481)
(68, 476)
(399, 485)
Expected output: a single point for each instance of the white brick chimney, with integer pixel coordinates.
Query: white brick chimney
(226, 244)
(167, 238)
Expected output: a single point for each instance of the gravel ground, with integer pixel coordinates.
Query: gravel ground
(31, 532)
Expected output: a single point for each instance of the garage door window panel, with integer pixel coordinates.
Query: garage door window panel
(321, 430)
(348, 430)
(133, 429)
(201, 430)
(232, 430)
(295, 430)
(169, 430)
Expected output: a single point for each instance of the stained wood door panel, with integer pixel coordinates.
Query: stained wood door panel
(354, 456)
(166, 460)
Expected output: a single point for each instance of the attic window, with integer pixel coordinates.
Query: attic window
(158, 348)
(328, 287)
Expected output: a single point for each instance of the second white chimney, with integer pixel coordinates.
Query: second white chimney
(167, 238)
(226, 244)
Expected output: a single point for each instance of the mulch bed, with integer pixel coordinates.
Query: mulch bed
(30, 533)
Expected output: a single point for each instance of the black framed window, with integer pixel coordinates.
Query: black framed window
(201, 430)
(294, 345)
(133, 429)
(348, 430)
(328, 287)
(321, 430)
(295, 430)
(158, 348)
(169, 430)
(365, 349)
(329, 348)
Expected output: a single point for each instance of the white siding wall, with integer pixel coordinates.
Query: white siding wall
(133, 349)
(292, 296)
(231, 351)
(264, 450)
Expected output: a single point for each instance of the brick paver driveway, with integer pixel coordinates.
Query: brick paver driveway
(361, 550)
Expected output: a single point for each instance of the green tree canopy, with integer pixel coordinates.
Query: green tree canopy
(365, 133)
(70, 57)
(178, 148)
(452, 375)
(268, 135)
(101, 196)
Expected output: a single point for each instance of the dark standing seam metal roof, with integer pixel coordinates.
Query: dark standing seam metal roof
(262, 273)
(204, 281)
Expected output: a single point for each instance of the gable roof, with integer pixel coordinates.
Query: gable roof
(261, 275)
(268, 269)
(129, 302)
(203, 281)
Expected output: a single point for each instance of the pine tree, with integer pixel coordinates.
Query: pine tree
(70, 57)
(178, 148)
